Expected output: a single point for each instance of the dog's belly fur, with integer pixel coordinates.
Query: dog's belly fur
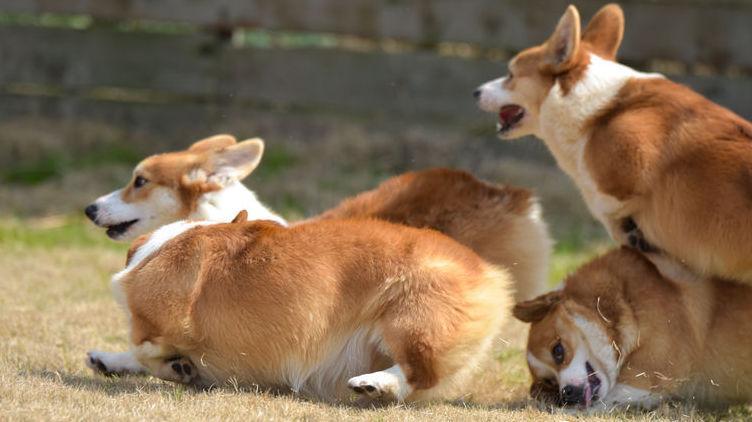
(321, 371)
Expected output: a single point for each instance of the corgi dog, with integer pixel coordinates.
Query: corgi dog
(619, 333)
(326, 309)
(200, 183)
(664, 169)
(503, 224)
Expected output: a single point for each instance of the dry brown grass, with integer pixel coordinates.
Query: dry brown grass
(56, 304)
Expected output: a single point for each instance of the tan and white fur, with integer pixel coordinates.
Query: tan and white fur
(501, 223)
(324, 308)
(663, 168)
(200, 183)
(621, 334)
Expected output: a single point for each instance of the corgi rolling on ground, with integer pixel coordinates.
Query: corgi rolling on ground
(664, 169)
(326, 309)
(620, 334)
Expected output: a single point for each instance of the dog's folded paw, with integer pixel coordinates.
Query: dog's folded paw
(373, 386)
(180, 370)
(109, 364)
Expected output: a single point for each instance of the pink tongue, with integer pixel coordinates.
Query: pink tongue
(588, 395)
(509, 112)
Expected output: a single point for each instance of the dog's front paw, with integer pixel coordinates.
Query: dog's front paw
(94, 362)
(110, 364)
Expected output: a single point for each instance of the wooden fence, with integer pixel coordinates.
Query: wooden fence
(444, 49)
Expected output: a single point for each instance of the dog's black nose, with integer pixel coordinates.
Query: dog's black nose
(571, 394)
(476, 93)
(91, 212)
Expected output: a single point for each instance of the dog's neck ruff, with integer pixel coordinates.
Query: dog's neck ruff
(563, 116)
(223, 205)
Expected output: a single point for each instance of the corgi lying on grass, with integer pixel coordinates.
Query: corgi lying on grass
(621, 334)
(326, 308)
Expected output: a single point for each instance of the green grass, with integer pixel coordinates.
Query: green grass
(75, 231)
(54, 232)
(37, 171)
(277, 158)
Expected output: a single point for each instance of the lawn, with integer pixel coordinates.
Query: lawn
(55, 304)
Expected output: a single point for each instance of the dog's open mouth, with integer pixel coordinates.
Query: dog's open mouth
(509, 116)
(117, 230)
(593, 385)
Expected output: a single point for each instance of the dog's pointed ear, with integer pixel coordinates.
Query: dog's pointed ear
(241, 217)
(605, 31)
(563, 45)
(234, 163)
(222, 167)
(534, 310)
(213, 143)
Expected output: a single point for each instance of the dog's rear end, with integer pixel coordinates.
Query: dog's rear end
(502, 224)
(405, 314)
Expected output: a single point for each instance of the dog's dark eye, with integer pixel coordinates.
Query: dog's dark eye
(510, 76)
(558, 353)
(140, 181)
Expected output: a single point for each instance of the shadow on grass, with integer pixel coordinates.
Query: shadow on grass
(127, 385)
(112, 386)
(135, 384)
(116, 385)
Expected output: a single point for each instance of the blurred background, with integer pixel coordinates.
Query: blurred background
(345, 92)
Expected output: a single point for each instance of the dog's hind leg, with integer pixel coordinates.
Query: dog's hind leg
(122, 363)
(389, 384)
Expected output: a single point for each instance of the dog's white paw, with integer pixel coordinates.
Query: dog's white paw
(113, 363)
(389, 384)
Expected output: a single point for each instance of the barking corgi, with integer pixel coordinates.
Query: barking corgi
(664, 169)
(200, 183)
(326, 308)
(620, 334)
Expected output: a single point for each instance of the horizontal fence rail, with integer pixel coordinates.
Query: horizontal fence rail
(149, 67)
(713, 32)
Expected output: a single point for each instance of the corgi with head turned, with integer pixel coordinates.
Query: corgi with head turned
(619, 333)
(200, 183)
(326, 309)
(503, 224)
(664, 169)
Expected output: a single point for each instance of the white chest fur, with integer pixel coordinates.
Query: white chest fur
(223, 205)
(562, 128)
